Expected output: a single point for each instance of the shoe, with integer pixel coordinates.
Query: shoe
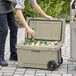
(13, 57)
(3, 63)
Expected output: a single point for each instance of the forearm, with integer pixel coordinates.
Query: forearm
(21, 18)
(38, 9)
(23, 21)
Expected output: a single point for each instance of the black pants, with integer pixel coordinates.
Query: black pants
(6, 20)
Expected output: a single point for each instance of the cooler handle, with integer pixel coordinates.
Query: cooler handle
(35, 50)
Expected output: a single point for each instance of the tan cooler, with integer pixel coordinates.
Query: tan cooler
(43, 56)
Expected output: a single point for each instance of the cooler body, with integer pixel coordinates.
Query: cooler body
(38, 57)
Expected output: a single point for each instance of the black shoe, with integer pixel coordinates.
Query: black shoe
(13, 57)
(3, 63)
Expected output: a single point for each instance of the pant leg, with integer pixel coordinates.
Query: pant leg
(13, 32)
(3, 32)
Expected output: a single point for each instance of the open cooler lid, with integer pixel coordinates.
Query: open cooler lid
(52, 30)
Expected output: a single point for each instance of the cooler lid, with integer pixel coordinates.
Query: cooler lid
(50, 30)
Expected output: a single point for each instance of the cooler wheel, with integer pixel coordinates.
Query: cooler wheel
(52, 65)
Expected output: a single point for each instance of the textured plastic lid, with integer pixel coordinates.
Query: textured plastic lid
(52, 30)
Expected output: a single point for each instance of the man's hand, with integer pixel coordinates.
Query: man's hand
(50, 17)
(31, 32)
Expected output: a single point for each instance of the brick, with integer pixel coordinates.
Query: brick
(7, 74)
(67, 74)
(8, 69)
(17, 75)
(53, 74)
(30, 72)
(72, 71)
(0, 74)
(29, 75)
(40, 74)
(74, 74)
(63, 71)
(62, 66)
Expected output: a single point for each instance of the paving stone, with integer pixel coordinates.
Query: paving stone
(29, 75)
(17, 75)
(40, 74)
(67, 74)
(30, 72)
(0, 74)
(42, 71)
(69, 62)
(7, 74)
(19, 71)
(74, 74)
(72, 66)
(74, 63)
(64, 66)
(8, 69)
(72, 71)
(16, 63)
(53, 74)
(47, 71)
(64, 71)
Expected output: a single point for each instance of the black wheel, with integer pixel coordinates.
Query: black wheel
(61, 60)
(51, 65)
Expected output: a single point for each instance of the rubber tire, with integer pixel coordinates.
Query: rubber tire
(52, 65)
